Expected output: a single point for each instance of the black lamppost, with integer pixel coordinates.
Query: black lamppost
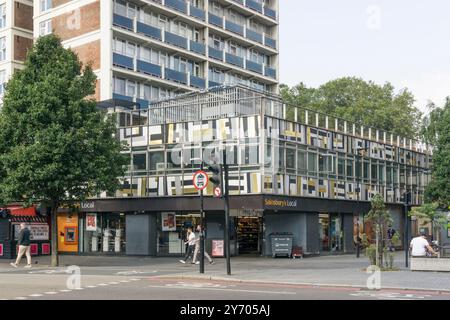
(358, 179)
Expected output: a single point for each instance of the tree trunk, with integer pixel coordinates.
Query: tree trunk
(54, 257)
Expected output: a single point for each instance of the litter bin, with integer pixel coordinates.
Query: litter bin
(281, 244)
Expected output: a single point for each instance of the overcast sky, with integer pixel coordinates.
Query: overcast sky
(405, 42)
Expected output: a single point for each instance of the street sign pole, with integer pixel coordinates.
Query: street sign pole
(202, 235)
(227, 212)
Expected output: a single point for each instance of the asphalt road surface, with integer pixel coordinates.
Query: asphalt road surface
(120, 283)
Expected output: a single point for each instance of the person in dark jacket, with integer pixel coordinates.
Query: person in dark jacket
(24, 246)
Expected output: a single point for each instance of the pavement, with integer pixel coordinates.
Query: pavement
(327, 271)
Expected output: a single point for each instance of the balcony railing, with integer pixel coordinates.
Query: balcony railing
(254, 5)
(119, 96)
(270, 72)
(149, 31)
(197, 13)
(235, 60)
(253, 66)
(142, 104)
(198, 82)
(178, 5)
(270, 42)
(197, 47)
(123, 22)
(215, 20)
(148, 68)
(176, 76)
(234, 27)
(270, 13)
(254, 35)
(215, 54)
(176, 40)
(123, 61)
(214, 84)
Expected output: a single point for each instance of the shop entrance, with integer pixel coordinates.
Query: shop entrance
(331, 233)
(249, 231)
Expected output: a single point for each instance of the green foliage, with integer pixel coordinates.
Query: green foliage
(430, 212)
(360, 101)
(55, 145)
(436, 131)
(371, 253)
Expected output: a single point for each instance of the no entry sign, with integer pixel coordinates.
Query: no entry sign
(200, 180)
(217, 192)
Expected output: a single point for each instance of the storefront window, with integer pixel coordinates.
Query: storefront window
(103, 232)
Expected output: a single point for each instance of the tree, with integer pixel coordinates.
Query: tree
(436, 131)
(56, 146)
(381, 219)
(360, 101)
(430, 213)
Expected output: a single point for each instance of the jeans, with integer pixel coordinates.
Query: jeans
(189, 252)
(196, 252)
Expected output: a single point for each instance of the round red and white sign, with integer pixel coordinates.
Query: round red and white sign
(217, 192)
(200, 180)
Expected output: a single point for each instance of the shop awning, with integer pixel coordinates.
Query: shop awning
(19, 211)
(29, 219)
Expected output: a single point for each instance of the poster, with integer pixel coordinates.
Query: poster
(169, 222)
(358, 228)
(217, 248)
(91, 222)
(38, 232)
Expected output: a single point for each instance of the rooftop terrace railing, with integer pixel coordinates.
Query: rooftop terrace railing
(238, 100)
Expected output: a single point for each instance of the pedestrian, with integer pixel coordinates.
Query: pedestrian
(420, 245)
(197, 248)
(191, 245)
(24, 246)
(390, 234)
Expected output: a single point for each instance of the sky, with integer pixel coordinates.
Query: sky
(404, 42)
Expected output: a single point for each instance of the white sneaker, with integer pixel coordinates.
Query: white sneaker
(28, 266)
(13, 264)
(198, 262)
(183, 262)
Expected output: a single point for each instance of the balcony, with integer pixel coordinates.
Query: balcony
(270, 13)
(198, 82)
(178, 5)
(197, 47)
(214, 84)
(123, 61)
(270, 72)
(255, 67)
(233, 27)
(149, 31)
(270, 42)
(123, 22)
(177, 76)
(215, 20)
(197, 13)
(149, 68)
(176, 40)
(119, 96)
(215, 54)
(255, 36)
(235, 60)
(254, 5)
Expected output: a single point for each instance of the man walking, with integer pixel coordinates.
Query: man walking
(191, 245)
(197, 248)
(24, 246)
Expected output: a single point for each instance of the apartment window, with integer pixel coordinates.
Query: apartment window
(3, 15)
(3, 49)
(216, 42)
(124, 47)
(215, 8)
(45, 27)
(120, 86)
(2, 82)
(45, 5)
(120, 8)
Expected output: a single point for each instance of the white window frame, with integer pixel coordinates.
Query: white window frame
(2, 48)
(2, 15)
(45, 5)
(45, 27)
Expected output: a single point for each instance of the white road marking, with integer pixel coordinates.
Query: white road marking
(21, 298)
(65, 290)
(113, 283)
(36, 295)
(80, 288)
(91, 287)
(135, 279)
(222, 289)
(124, 281)
(103, 284)
(51, 292)
(390, 295)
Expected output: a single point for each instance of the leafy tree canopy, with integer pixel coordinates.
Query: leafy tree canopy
(362, 102)
(55, 145)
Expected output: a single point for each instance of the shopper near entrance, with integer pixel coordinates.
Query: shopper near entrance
(191, 245)
(24, 246)
(390, 234)
(420, 246)
(197, 248)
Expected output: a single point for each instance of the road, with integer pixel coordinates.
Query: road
(125, 283)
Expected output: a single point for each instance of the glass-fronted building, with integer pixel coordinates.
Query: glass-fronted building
(291, 170)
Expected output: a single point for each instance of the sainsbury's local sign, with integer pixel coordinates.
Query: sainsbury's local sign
(274, 203)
